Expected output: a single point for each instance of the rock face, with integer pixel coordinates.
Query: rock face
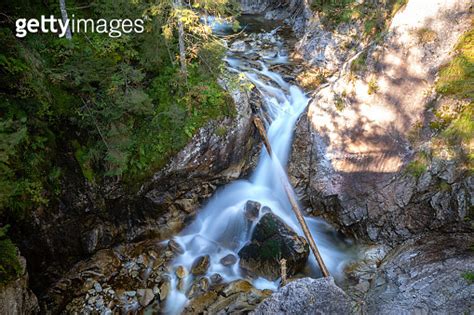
(348, 163)
(271, 241)
(16, 297)
(425, 277)
(307, 296)
(295, 12)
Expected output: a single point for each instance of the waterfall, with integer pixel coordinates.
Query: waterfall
(221, 228)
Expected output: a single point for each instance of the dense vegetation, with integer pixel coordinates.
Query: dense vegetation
(375, 15)
(119, 106)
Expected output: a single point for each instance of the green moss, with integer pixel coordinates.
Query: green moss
(359, 63)
(221, 131)
(270, 250)
(456, 79)
(373, 86)
(10, 267)
(416, 167)
(425, 35)
(468, 276)
(339, 103)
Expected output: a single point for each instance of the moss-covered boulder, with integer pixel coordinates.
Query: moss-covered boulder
(271, 241)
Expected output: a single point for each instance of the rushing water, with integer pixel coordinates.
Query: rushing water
(221, 228)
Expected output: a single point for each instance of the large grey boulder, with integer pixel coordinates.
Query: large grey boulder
(426, 276)
(307, 296)
(16, 297)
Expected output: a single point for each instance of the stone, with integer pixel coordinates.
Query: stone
(200, 265)
(228, 260)
(424, 276)
(181, 272)
(204, 283)
(16, 297)
(271, 241)
(97, 287)
(237, 297)
(307, 296)
(216, 278)
(175, 247)
(238, 46)
(164, 290)
(131, 293)
(252, 209)
(145, 296)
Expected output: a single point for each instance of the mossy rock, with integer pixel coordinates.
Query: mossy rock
(273, 240)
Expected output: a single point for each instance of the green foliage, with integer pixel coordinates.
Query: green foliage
(456, 79)
(339, 103)
(468, 276)
(417, 166)
(359, 63)
(119, 106)
(374, 15)
(334, 12)
(10, 267)
(373, 86)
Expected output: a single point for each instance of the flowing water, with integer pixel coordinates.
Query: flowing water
(221, 228)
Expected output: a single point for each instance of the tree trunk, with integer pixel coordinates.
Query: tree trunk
(62, 6)
(182, 46)
(294, 204)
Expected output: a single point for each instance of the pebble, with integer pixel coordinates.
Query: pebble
(180, 272)
(97, 287)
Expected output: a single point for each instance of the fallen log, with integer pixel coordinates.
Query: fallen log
(294, 204)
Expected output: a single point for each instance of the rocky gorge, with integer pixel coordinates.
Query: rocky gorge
(106, 251)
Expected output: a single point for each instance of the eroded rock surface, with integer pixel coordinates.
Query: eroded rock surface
(425, 277)
(352, 145)
(307, 296)
(16, 296)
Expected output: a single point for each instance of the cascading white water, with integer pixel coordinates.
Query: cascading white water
(221, 228)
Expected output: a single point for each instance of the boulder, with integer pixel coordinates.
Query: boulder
(237, 297)
(16, 296)
(307, 296)
(228, 260)
(271, 241)
(145, 296)
(252, 209)
(429, 275)
(200, 265)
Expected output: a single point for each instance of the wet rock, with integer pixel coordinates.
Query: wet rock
(180, 272)
(200, 265)
(234, 298)
(175, 247)
(145, 296)
(238, 46)
(307, 296)
(204, 283)
(424, 277)
(97, 287)
(216, 278)
(271, 241)
(164, 290)
(228, 260)
(198, 287)
(252, 209)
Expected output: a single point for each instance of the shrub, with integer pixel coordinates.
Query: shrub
(10, 267)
